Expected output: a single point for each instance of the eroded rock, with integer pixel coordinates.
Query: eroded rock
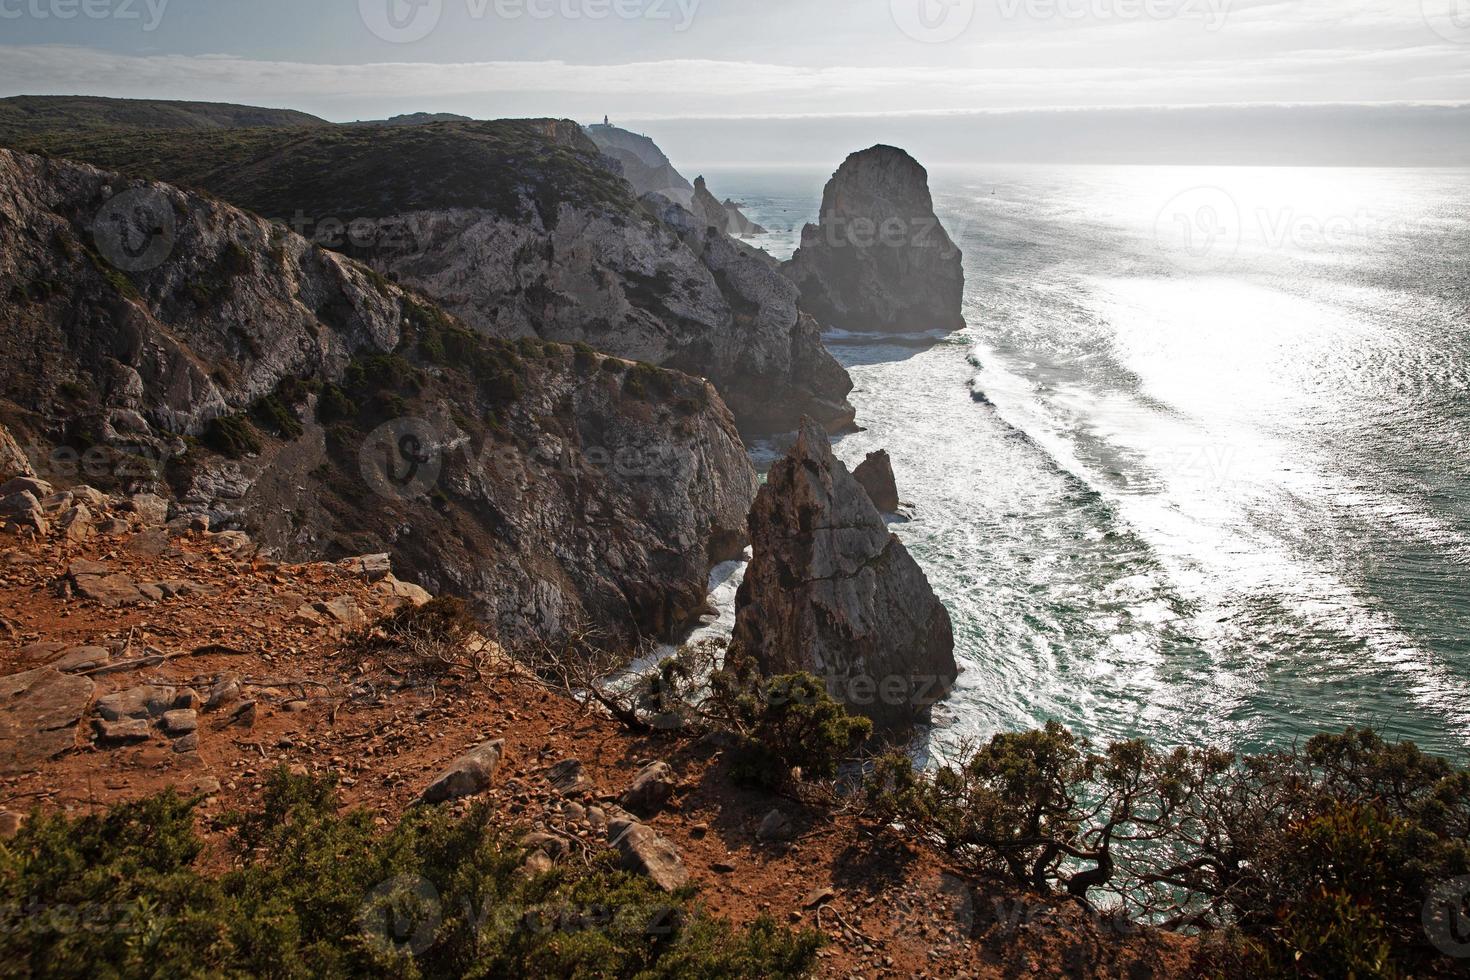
(878, 259)
(875, 475)
(831, 591)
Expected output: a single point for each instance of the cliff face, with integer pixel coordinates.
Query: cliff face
(519, 229)
(644, 165)
(829, 590)
(275, 386)
(879, 260)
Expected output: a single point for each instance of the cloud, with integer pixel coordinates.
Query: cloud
(705, 87)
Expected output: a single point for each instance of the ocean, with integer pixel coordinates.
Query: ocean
(1198, 470)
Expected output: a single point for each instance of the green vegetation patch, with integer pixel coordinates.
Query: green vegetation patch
(314, 892)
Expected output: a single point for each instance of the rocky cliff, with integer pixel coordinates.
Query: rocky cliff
(157, 339)
(643, 164)
(878, 259)
(518, 228)
(829, 590)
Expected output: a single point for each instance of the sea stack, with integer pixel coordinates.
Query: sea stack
(879, 260)
(831, 591)
(875, 475)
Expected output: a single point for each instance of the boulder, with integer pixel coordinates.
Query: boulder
(13, 460)
(373, 568)
(650, 789)
(645, 852)
(150, 508)
(831, 591)
(875, 475)
(471, 773)
(34, 486)
(39, 713)
(878, 259)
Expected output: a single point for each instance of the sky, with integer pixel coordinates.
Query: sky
(678, 65)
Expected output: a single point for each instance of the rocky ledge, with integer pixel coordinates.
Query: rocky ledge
(831, 591)
(878, 260)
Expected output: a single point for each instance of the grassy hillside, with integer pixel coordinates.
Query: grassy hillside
(31, 114)
(350, 172)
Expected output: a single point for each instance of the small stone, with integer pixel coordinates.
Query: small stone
(776, 827)
(343, 609)
(124, 732)
(650, 789)
(142, 701)
(645, 852)
(568, 779)
(226, 690)
(152, 508)
(11, 822)
(187, 743)
(817, 896)
(82, 658)
(471, 773)
(180, 721)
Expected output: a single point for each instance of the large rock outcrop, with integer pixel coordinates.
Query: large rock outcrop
(520, 229)
(878, 259)
(284, 389)
(831, 591)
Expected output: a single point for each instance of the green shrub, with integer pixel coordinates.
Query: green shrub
(272, 414)
(232, 436)
(312, 890)
(333, 405)
(787, 725)
(584, 358)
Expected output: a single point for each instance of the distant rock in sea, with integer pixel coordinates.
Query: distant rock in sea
(725, 216)
(879, 260)
(875, 475)
(831, 591)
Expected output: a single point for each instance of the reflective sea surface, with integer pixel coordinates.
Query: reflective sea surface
(1199, 468)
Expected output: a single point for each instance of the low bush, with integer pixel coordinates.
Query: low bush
(314, 892)
(790, 728)
(232, 436)
(1317, 862)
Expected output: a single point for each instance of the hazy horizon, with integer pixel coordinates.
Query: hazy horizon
(1269, 81)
